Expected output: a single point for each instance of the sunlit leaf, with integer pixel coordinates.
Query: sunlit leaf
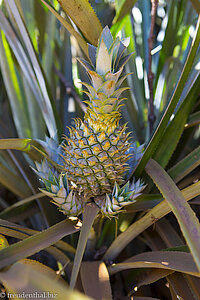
(36, 279)
(95, 280)
(83, 15)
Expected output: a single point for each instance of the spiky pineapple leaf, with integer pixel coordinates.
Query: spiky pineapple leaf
(83, 15)
(103, 61)
(37, 242)
(169, 260)
(186, 217)
(21, 233)
(150, 218)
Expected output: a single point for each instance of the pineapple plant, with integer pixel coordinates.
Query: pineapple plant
(94, 158)
(95, 181)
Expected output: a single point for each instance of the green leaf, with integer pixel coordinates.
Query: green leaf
(186, 286)
(69, 27)
(193, 120)
(13, 182)
(89, 215)
(27, 205)
(159, 211)
(39, 278)
(34, 78)
(57, 253)
(148, 276)
(20, 232)
(175, 22)
(155, 140)
(37, 242)
(161, 260)
(95, 280)
(144, 202)
(123, 11)
(3, 242)
(187, 219)
(25, 145)
(172, 134)
(185, 166)
(12, 86)
(83, 15)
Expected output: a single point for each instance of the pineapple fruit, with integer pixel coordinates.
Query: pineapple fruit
(94, 158)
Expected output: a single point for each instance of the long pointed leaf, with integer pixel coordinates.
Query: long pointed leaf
(186, 217)
(154, 142)
(170, 260)
(139, 226)
(37, 242)
(41, 95)
(36, 279)
(95, 280)
(83, 15)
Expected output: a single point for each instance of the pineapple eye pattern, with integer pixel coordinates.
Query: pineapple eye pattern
(96, 157)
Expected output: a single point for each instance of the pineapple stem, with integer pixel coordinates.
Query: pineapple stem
(89, 215)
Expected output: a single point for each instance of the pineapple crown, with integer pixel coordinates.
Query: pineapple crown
(106, 74)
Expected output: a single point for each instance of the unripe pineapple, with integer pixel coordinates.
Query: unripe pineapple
(95, 156)
(95, 153)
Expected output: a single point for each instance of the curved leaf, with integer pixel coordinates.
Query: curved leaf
(95, 280)
(25, 145)
(37, 280)
(22, 233)
(171, 260)
(139, 226)
(185, 166)
(37, 242)
(186, 217)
